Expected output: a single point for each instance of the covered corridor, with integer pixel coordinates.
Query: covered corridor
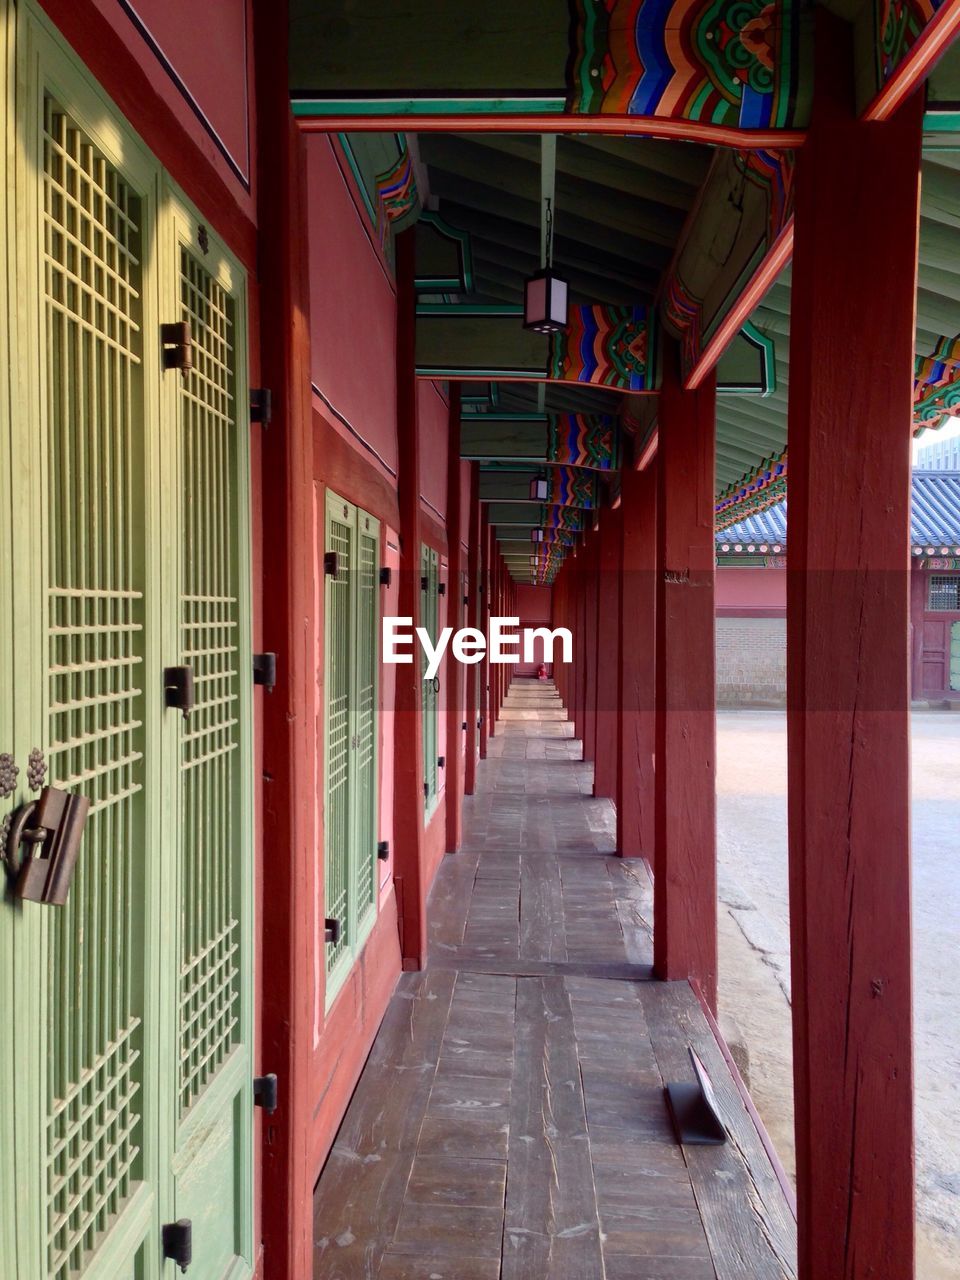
(510, 1121)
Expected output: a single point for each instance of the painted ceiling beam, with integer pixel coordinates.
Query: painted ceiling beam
(603, 346)
(737, 241)
(548, 65)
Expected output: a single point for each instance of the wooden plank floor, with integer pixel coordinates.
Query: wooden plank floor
(510, 1122)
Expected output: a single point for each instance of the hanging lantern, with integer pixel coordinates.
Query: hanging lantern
(538, 489)
(536, 535)
(545, 302)
(545, 292)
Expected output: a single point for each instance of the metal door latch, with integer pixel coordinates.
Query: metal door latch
(52, 826)
(176, 343)
(177, 1240)
(331, 931)
(265, 1092)
(178, 690)
(265, 670)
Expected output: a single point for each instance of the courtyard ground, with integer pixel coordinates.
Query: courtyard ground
(755, 960)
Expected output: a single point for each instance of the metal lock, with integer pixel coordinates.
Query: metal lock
(52, 826)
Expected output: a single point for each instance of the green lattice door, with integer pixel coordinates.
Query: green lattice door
(128, 1080)
(429, 689)
(207, 945)
(351, 720)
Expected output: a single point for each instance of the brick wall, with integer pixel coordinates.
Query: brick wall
(751, 661)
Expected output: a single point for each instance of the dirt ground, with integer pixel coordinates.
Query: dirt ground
(755, 962)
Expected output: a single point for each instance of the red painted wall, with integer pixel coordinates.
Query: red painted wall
(747, 592)
(534, 609)
(187, 92)
(433, 411)
(353, 313)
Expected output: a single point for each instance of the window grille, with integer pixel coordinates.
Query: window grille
(944, 595)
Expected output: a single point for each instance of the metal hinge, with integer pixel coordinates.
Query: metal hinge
(265, 1092)
(178, 690)
(177, 346)
(441, 588)
(426, 791)
(424, 584)
(265, 670)
(331, 563)
(464, 726)
(441, 762)
(331, 931)
(383, 850)
(261, 405)
(386, 577)
(177, 1240)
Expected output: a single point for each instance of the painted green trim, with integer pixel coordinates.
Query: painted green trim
(467, 309)
(306, 107)
(433, 219)
(451, 371)
(768, 364)
(348, 151)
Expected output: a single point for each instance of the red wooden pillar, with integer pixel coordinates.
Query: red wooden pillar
(590, 602)
(851, 383)
(492, 668)
(608, 654)
(408, 753)
(473, 620)
(685, 858)
(638, 610)
(483, 671)
(289, 764)
(454, 669)
(580, 693)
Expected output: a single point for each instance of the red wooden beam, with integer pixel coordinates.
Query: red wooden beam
(454, 669)
(913, 69)
(637, 674)
(409, 870)
(608, 655)
(685, 860)
(849, 428)
(556, 122)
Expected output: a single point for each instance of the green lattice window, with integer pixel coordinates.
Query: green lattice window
(351, 710)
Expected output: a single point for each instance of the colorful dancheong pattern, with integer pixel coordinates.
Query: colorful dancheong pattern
(572, 487)
(757, 491)
(936, 385)
(605, 346)
(583, 440)
(735, 63)
(396, 193)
